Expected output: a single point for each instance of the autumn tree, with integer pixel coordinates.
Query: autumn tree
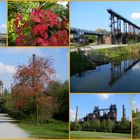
(29, 90)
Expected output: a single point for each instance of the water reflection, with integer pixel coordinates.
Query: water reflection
(118, 69)
(112, 77)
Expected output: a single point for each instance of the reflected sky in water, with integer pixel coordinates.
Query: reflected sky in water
(123, 76)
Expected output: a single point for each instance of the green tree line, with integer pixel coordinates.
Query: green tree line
(123, 126)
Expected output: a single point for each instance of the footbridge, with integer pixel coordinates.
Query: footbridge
(79, 34)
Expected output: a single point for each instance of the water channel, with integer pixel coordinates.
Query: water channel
(116, 76)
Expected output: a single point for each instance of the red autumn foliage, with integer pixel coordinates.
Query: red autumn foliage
(45, 28)
(30, 83)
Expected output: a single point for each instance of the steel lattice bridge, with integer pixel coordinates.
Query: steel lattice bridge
(121, 30)
(87, 32)
(79, 35)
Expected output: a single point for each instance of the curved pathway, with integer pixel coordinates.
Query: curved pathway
(9, 129)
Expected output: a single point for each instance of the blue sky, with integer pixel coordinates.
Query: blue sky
(2, 17)
(93, 15)
(86, 103)
(10, 58)
(136, 101)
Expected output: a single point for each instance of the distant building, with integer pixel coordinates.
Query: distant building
(1, 87)
(2, 39)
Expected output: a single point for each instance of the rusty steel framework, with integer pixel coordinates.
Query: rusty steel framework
(103, 114)
(122, 29)
(100, 114)
(119, 68)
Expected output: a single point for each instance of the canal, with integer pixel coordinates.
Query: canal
(116, 76)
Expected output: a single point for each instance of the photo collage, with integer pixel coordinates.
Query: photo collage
(69, 69)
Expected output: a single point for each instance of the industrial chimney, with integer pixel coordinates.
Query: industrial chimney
(76, 117)
(123, 113)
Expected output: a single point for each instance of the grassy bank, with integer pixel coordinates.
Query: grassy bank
(46, 131)
(116, 52)
(78, 63)
(96, 135)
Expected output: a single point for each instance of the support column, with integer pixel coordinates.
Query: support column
(76, 117)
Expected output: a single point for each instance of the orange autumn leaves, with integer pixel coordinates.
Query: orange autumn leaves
(31, 81)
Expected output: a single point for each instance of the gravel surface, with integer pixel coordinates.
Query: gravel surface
(9, 130)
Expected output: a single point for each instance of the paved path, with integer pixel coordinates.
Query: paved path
(10, 130)
(95, 47)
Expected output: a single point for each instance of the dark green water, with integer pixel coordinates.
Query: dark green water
(117, 76)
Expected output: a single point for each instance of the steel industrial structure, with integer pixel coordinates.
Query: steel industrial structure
(102, 114)
(121, 28)
(80, 38)
(119, 68)
(86, 32)
(108, 113)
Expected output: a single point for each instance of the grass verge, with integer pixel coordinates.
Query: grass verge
(96, 135)
(50, 130)
(117, 52)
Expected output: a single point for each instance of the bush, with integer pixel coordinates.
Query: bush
(132, 41)
(17, 115)
(38, 26)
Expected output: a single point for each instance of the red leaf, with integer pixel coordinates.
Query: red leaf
(16, 23)
(19, 42)
(41, 14)
(37, 19)
(41, 28)
(25, 25)
(35, 30)
(45, 43)
(45, 36)
(39, 40)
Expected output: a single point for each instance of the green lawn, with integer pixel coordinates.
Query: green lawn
(97, 135)
(50, 130)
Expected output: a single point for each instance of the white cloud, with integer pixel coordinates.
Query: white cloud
(64, 3)
(135, 15)
(72, 114)
(104, 96)
(134, 102)
(2, 26)
(7, 69)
